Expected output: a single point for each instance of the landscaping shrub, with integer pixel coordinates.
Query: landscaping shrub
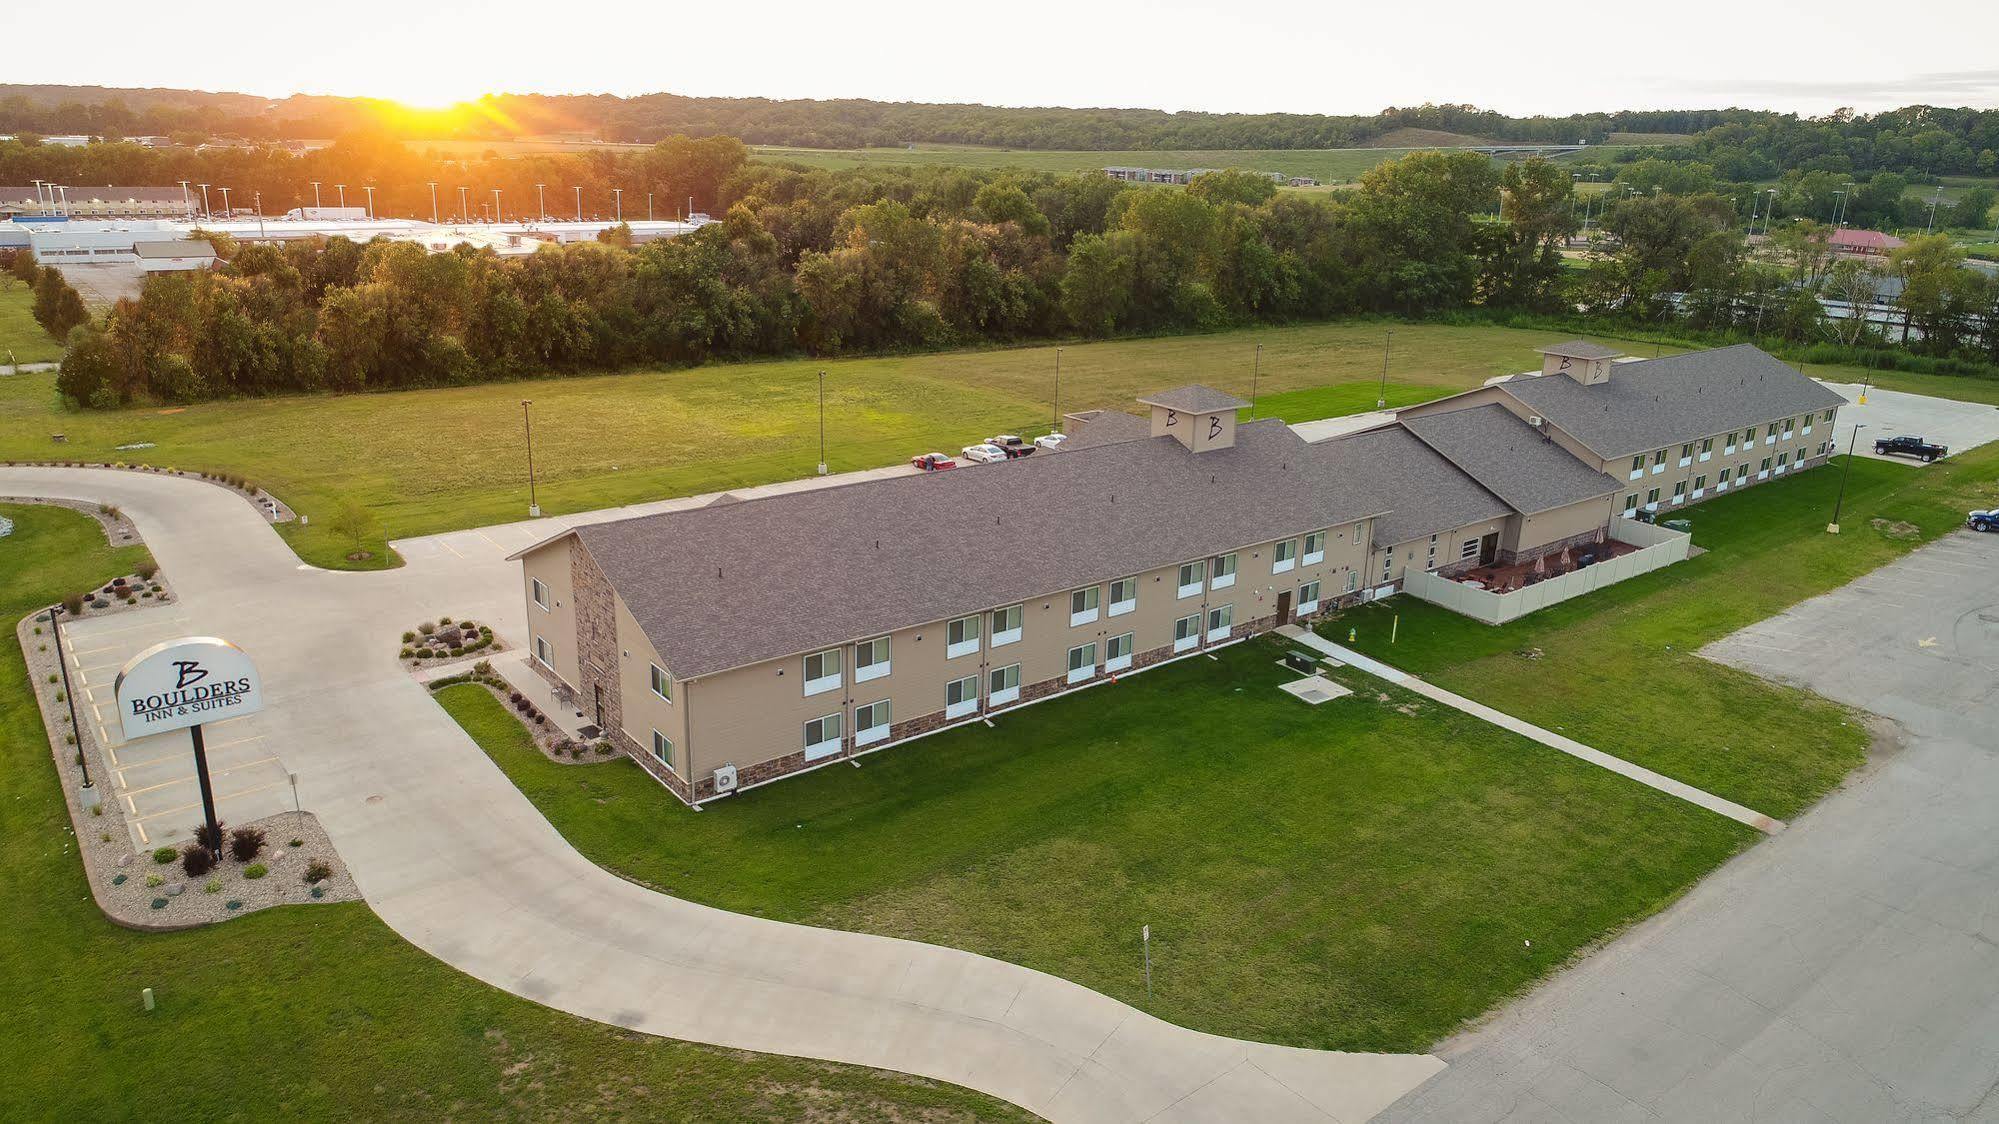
(409, 637)
(213, 886)
(426, 628)
(154, 880)
(195, 860)
(317, 871)
(246, 843)
(406, 653)
(255, 870)
(164, 855)
(213, 843)
(146, 569)
(444, 620)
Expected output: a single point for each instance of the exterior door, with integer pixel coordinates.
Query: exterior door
(1488, 549)
(599, 700)
(1284, 608)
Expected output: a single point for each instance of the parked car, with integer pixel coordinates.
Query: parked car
(1051, 441)
(984, 454)
(1906, 446)
(933, 462)
(1011, 445)
(1983, 520)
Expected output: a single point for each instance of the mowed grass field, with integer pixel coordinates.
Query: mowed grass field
(312, 1012)
(20, 335)
(433, 460)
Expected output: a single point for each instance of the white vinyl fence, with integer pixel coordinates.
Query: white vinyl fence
(1656, 545)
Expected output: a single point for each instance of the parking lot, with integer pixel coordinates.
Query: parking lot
(1889, 413)
(153, 777)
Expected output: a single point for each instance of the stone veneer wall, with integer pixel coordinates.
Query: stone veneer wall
(596, 639)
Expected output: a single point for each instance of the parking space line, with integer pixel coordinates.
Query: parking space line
(190, 779)
(219, 798)
(116, 768)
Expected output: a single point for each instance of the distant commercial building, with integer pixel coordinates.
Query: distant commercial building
(55, 240)
(1186, 175)
(1868, 243)
(171, 257)
(108, 202)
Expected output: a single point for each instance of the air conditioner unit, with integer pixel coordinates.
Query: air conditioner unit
(725, 779)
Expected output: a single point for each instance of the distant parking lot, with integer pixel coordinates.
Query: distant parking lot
(1889, 413)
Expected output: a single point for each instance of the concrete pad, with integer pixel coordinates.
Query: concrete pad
(1314, 689)
(1892, 413)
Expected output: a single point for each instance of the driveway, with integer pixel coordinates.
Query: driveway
(1847, 969)
(458, 862)
(1958, 426)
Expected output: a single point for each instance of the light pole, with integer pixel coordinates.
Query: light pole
(187, 203)
(1934, 200)
(205, 212)
(497, 217)
(579, 202)
(1832, 528)
(1838, 202)
(226, 212)
(1769, 211)
(89, 792)
(342, 189)
(648, 206)
(1058, 388)
(618, 203)
(370, 190)
(1381, 398)
(259, 196)
(540, 202)
(464, 212)
(527, 422)
(1255, 371)
(822, 422)
(315, 195)
(432, 184)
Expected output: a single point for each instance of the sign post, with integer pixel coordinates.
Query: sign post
(1145, 938)
(181, 684)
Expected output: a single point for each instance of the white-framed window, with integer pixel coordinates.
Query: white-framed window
(1686, 455)
(1356, 531)
(1763, 473)
(1082, 662)
(1221, 619)
(1083, 605)
(1637, 466)
(1315, 548)
(1808, 425)
(1006, 625)
(1387, 565)
(961, 637)
(1124, 597)
(871, 659)
(1187, 632)
(822, 737)
(1700, 486)
(1118, 651)
(544, 652)
(1707, 448)
(871, 723)
(1770, 434)
(961, 697)
(1659, 462)
(1284, 556)
(822, 672)
(662, 749)
(1224, 572)
(1467, 549)
(1783, 462)
(1721, 482)
(1193, 575)
(540, 590)
(1005, 685)
(1680, 492)
(1631, 503)
(1730, 443)
(1652, 500)
(1827, 416)
(1308, 599)
(662, 683)
(1787, 429)
(1353, 580)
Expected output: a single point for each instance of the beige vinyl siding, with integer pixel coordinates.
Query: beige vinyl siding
(550, 564)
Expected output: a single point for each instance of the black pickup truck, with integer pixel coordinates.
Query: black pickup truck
(1910, 447)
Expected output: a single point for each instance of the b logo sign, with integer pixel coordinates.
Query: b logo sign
(185, 683)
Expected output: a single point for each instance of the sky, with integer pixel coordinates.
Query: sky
(1300, 56)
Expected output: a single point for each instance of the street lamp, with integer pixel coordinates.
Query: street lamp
(226, 212)
(187, 204)
(822, 422)
(260, 215)
(342, 189)
(1255, 371)
(1058, 388)
(496, 205)
(315, 195)
(1934, 200)
(205, 212)
(1838, 202)
(1769, 211)
(89, 791)
(648, 206)
(464, 212)
(618, 202)
(579, 202)
(1381, 397)
(540, 202)
(432, 184)
(1832, 528)
(527, 422)
(370, 189)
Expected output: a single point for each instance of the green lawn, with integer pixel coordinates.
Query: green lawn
(20, 336)
(311, 1012)
(1361, 875)
(1622, 661)
(1327, 165)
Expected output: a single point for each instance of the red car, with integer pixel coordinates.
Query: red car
(933, 462)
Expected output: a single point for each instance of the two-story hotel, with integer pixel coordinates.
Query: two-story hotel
(730, 645)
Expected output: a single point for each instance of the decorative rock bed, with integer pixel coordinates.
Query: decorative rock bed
(441, 641)
(130, 886)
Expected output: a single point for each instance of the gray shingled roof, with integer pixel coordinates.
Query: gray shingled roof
(1580, 349)
(1425, 494)
(1656, 403)
(723, 586)
(1512, 461)
(1194, 400)
(185, 248)
(1103, 427)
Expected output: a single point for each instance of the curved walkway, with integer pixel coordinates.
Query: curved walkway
(456, 860)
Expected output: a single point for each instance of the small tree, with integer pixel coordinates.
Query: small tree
(354, 523)
(195, 860)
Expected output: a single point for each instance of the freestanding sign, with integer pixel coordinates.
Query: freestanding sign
(183, 684)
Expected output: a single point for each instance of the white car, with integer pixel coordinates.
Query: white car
(984, 454)
(1051, 441)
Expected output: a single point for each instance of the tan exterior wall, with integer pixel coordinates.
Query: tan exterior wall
(754, 717)
(1556, 527)
(644, 711)
(1672, 473)
(1414, 554)
(557, 623)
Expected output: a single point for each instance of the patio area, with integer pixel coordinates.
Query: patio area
(1497, 594)
(1519, 575)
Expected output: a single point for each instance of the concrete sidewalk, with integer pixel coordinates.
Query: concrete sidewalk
(1570, 746)
(454, 858)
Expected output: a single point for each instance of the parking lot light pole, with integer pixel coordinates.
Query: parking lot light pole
(822, 423)
(89, 791)
(1845, 471)
(1255, 371)
(464, 211)
(433, 201)
(527, 422)
(1381, 397)
(1058, 389)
